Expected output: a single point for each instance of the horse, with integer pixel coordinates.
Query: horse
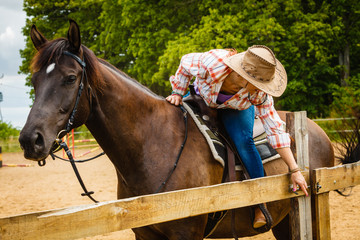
(140, 132)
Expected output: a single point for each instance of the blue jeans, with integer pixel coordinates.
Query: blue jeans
(239, 125)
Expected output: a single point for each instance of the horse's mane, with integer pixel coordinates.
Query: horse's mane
(53, 50)
(115, 69)
(127, 76)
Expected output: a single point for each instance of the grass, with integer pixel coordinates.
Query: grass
(10, 144)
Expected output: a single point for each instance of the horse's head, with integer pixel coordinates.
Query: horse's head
(57, 76)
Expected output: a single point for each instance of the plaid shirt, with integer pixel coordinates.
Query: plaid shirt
(210, 71)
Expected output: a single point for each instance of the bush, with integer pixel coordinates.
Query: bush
(347, 106)
(7, 131)
(9, 138)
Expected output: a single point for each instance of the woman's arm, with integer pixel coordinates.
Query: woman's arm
(188, 68)
(280, 140)
(181, 80)
(296, 177)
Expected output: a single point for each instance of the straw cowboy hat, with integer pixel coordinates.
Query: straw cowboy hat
(259, 66)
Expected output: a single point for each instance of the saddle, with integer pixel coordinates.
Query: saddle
(224, 150)
(210, 126)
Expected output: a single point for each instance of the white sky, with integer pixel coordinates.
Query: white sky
(15, 105)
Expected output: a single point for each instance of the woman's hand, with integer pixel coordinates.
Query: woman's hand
(174, 99)
(298, 179)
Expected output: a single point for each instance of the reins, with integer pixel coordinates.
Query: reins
(64, 146)
(77, 161)
(180, 151)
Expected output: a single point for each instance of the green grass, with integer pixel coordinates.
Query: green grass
(10, 144)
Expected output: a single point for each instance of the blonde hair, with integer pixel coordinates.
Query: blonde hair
(232, 51)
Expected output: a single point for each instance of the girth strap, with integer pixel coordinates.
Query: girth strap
(232, 177)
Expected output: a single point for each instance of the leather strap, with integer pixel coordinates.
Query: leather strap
(231, 164)
(231, 178)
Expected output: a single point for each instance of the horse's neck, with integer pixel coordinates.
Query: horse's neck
(125, 118)
(122, 107)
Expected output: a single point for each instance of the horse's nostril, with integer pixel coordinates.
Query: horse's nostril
(34, 145)
(39, 142)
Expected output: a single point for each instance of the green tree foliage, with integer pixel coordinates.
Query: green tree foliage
(346, 99)
(51, 17)
(7, 130)
(146, 39)
(136, 33)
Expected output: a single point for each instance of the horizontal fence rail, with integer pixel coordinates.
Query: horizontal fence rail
(338, 177)
(95, 219)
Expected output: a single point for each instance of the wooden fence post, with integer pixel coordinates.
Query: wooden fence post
(300, 214)
(322, 208)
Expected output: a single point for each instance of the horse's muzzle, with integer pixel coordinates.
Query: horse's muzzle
(33, 145)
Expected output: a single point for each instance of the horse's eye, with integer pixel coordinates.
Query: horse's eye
(70, 79)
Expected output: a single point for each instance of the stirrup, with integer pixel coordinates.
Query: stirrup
(269, 220)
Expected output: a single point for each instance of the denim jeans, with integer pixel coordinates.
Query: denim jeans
(239, 125)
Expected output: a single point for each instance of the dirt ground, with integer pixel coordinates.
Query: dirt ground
(34, 188)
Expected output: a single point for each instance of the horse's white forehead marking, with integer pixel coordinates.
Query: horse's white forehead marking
(50, 68)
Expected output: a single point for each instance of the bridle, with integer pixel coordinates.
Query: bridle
(81, 87)
(56, 147)
(59, 144)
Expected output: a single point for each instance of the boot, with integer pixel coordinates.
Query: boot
(259, 218)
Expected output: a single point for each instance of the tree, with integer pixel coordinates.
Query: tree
(299, 39)
(7, 130)
(146, 39)
(346, 15)
(52, 18)
(136, 33)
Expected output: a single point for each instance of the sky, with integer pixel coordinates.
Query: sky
(15, 105)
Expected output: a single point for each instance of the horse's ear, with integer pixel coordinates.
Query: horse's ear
(37, 38)
(74, 36)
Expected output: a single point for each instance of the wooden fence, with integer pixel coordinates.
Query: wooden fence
(104, 217)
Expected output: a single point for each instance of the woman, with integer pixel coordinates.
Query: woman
(241, 85)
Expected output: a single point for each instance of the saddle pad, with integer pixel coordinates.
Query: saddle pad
(218, 149)
(216, 146)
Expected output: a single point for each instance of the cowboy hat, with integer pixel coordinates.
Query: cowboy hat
(259, 66)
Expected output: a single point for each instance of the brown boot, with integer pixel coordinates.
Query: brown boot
(259, 218)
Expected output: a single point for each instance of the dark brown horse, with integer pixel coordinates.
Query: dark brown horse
(139, 131)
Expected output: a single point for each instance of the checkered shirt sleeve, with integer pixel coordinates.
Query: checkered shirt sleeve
(273, 125)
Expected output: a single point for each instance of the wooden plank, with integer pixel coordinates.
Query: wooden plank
(328, 179)
(338, 177)
(323, 217)
(95, 219)
(300, 214)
